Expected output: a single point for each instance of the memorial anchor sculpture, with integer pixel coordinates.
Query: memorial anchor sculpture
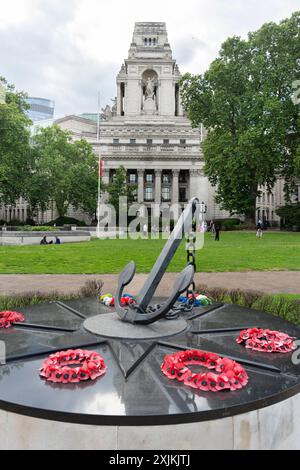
(141, 312)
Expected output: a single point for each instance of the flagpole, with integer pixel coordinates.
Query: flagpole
(99, 168)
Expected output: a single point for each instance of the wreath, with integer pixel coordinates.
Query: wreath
(56, 368)
(267, 341)
(231, 375)
(8, 318)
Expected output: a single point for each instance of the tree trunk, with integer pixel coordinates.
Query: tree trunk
(250, 215)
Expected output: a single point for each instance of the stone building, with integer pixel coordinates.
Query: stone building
(146, 130)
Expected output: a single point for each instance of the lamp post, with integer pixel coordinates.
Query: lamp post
(99, 168)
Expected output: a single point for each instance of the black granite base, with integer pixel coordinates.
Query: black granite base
(134, 391)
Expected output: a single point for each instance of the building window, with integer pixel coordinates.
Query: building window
(132, 141)
(182, 195)
(166, 178)
(166, 141)
(183, 176)
(149, 141)
(149, 194)
(166, 195)
(132, 177)
(182, 141)
(116, 141)
(149, 177)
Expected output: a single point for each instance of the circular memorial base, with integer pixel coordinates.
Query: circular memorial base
(111, 326)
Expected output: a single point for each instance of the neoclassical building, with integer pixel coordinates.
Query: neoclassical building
(147, 132)
(146, 129)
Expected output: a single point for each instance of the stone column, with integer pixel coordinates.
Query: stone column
(105, 177)
(175, 187)
(119, 99)
(140, 186)
(157, 186)
(198, 185)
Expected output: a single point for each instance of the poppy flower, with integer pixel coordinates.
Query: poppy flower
(203, 383)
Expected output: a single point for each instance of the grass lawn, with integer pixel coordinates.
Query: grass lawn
(237, 251)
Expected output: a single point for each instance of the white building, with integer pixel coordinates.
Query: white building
(146, 130)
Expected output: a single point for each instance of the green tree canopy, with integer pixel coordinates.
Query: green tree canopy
(14, 143)
(245, 102)
(120, 187)
(63, 172)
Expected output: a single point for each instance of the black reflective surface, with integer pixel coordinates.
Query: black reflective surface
(134, 391)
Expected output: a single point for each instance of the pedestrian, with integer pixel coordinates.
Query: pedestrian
(259, 227)
(145, 230)
(154, 230)
(44, 241)
(217, 232)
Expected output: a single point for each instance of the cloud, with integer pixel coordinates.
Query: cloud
(69, 50)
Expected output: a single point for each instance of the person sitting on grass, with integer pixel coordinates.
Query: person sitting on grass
(57, 241)
(44, 241)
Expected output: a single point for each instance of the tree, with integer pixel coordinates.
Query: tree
(120, 187)
(63, 172)
(244, 100)
(14, 144)
(290, 215)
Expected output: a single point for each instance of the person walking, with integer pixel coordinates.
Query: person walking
(217, 232)
(259, 228)
(145, 230)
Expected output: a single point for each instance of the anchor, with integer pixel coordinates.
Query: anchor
(141, 312)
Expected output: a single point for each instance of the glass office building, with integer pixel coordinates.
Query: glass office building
(40, 109)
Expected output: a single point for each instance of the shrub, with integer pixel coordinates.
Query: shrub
(91, 288)
(60, 221)
(39, 228)
(230, 224)
(9, 302)
(279, 306)
(15, 223)
(290, 215)
(30, 222)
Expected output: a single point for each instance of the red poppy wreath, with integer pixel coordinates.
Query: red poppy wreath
(267, 341)
(8, 318)
(231, 375)
(56, 368)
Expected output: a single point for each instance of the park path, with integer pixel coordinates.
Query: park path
(267, 281)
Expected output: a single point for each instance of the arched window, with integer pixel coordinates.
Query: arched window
(154, 42)
(150, 42)
(146, 42)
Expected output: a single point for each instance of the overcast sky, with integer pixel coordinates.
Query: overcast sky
(67, 50)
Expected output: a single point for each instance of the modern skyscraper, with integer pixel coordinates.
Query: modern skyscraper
(40, 109)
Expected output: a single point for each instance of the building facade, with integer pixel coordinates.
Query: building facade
(146, 130)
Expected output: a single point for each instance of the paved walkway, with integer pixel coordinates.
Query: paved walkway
(268, 282)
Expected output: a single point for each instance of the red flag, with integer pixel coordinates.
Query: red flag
(100, 168)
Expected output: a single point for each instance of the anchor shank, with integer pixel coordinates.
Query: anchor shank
(167, 254)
